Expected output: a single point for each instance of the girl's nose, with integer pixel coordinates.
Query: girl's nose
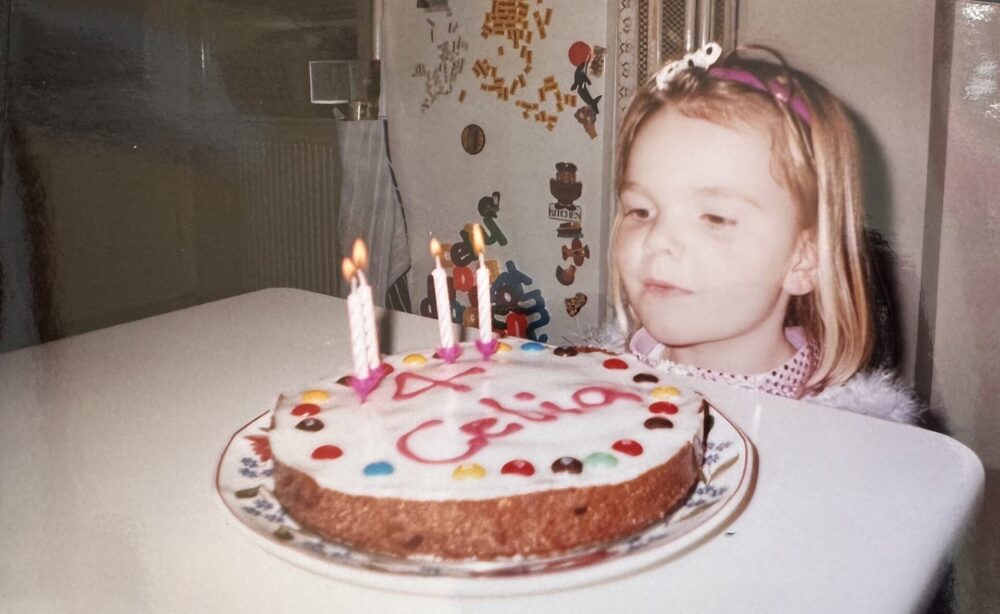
(664, 236)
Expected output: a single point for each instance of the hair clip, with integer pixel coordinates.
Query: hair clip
(701, 58)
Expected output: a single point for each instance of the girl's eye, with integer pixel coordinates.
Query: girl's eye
(637, 213)
(717, 220)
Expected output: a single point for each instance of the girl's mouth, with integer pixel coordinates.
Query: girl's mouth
(663, 288)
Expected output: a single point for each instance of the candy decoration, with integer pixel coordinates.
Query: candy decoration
(310, 424)
(379, 468)
(503, 347)
(663, 407)
(315, 396)
(567, 464)
(665, 392)
(345, 380)
(327, 453)
(565, 350)
(518, 467)
(645, 378)
(465, 471)
(414, 360)
(627, 446)
(305, 409)
(615, 363)
(532, 346)
(600, 460)
(524, 396)
(658, 422)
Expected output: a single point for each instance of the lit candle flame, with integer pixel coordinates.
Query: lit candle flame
(435, 247)
(359, 254)
(477, 238)
(347, 268)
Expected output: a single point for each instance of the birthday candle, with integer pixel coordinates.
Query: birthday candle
(371, 353)
(483, 287)
(441, 296)
(355, 320)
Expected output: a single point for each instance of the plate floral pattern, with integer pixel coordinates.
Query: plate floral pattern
(245, 484)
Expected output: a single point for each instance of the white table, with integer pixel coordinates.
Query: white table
(110, 441)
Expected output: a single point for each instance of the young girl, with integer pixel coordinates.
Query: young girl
(738, 250)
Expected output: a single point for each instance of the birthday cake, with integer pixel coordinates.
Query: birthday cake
(534, 452)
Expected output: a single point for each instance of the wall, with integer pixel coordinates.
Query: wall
(877, 57)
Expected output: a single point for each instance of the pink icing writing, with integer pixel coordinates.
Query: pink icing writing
(550, 411)
(479, 429)
(403, 378)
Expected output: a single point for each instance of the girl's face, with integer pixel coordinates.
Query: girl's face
(709, 246)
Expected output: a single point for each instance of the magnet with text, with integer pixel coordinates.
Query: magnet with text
(565, 188)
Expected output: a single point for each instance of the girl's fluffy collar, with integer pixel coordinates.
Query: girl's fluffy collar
(875, 393)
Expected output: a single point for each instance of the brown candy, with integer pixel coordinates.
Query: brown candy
(567, 464)
(310, 424)
(658, 422)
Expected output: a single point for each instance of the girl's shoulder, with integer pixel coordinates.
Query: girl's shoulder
(877, 393)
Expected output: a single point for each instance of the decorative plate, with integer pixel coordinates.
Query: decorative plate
(245, 484)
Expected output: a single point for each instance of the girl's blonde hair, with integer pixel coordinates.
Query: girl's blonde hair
(817, 161)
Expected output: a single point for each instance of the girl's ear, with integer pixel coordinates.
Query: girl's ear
(801, 276)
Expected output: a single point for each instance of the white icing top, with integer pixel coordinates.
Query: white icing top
(473, 428)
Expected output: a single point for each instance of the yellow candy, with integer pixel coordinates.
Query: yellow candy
(315, 396)
(665, 392)
(414, 360)
(503, 347)
(468, 471)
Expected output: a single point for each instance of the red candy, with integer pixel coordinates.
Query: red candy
(518, 467)
(305, 409)
(327, 453)
(524, 396)
(663, 407)
(627, 446)
(615, 363)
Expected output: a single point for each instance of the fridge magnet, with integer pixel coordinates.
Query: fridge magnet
(566, 276)
(428, 305)
(576, 251)
(588, 119)
(521, 313)
(449, 53)
(580, 56)
(489, 209)
(575, 303)
(518, 25)
(565, 188)
(473, 139)
(570, 230)
(597, 61)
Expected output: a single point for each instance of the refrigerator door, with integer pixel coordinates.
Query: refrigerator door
(500, 115)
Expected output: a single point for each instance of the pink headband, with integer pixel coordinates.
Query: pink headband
(779, 91)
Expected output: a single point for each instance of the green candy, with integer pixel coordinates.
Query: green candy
(599, 460)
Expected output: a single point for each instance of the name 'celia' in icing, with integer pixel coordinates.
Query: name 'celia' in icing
(525, 421)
